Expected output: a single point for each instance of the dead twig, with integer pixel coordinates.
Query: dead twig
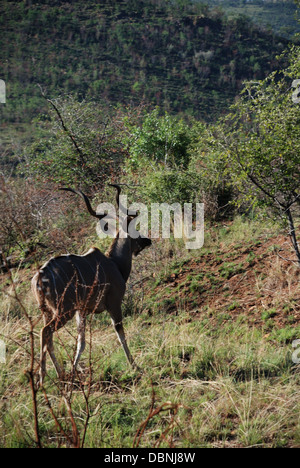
(165, 407)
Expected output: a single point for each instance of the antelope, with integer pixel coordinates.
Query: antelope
(80, 285)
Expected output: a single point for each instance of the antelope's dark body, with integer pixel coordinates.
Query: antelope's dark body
(68, 283)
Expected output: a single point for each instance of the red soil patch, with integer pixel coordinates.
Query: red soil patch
(250, 281)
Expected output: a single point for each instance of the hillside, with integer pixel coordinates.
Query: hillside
(280, 16)
(185, 59)
(244, 279)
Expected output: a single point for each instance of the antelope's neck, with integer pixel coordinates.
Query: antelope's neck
(120, 253)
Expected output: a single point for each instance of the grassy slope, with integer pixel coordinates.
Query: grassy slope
(214, 342)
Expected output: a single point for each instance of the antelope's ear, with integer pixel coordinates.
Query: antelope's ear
(130, 227)
(125, 224)
(119, 204)
(107, 227)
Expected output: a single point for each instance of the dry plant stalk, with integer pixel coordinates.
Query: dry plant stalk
(30, 372)
(71, 436)
(168, 406)
(66, 388)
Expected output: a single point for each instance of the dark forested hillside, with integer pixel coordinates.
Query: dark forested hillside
(179, 56)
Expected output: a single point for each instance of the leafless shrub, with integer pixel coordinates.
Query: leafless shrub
(32, 220)
(70, 430)
(168, 407)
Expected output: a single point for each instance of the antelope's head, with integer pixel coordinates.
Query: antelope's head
(138, 241)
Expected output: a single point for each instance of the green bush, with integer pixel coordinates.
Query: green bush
(162, 140)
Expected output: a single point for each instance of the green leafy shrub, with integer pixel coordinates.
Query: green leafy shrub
(81, 144)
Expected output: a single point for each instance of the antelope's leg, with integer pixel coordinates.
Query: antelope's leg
(118, 325)
(80, 319)
(44, 348)
(47, 345)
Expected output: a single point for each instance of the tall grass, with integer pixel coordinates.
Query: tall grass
(201, 385)
(230, 387)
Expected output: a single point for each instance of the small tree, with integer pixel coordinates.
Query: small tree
(159, 148)
(160, 140)
(81, 144)
(261, 144)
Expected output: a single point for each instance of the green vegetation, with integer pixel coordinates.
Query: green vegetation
(183, 58)
(259, 141)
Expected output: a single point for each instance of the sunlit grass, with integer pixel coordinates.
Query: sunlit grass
(224, 382)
